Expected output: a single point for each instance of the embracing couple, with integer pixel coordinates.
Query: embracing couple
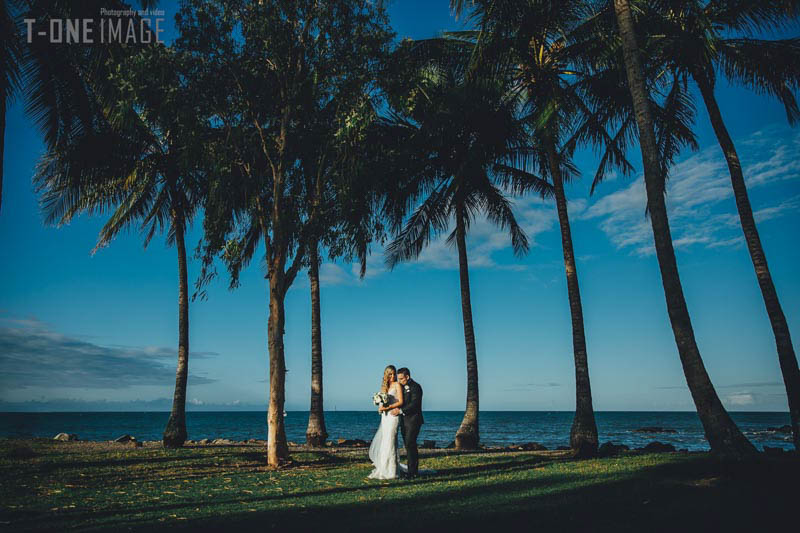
(402, 408)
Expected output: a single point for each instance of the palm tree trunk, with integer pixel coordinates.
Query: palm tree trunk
(583, 435)
(783, 339)
(467, 436)
(316, 433)
(175, 432)
(3, 103)
(721, 432)
(277, 448)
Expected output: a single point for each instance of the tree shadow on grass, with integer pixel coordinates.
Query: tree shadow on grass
(443, 475)
(695, 495)
(129, 520)
(318, 459)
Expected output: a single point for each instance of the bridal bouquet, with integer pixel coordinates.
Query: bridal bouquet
(380, 398)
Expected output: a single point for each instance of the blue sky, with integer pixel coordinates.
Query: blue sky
(100, 332)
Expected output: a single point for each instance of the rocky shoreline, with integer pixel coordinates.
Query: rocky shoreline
(606, 449)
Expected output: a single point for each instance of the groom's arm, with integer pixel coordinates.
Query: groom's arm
(413, 400)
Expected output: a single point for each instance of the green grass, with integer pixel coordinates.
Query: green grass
(96, 486)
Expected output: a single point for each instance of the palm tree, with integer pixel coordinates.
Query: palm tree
(467, 147)
(51, 78)
(153, 184)
(698, 39)
(536, 35)
(340, 211)
(10, 61)
(553, 46)
(723, 435)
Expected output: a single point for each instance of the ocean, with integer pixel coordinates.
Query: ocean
(498, 428)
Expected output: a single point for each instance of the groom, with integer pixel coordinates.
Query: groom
(412, 418)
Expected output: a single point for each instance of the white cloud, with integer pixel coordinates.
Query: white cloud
(744, 398)
(699, 196)
(32, 353)
(332, 274)
(484, 239)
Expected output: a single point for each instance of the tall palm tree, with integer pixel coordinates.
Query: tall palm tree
(723, 435)
(553, 45)
(536, 34)
(699, 39)
(10, 61)
(139, 163)
(338, 206)
(467, 148)
(51, 78)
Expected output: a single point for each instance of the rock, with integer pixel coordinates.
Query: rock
(222, 442)
(658, 447)
(329, 443)
(20, 451)
(124, 439)
(428, 444)
(66, 437)
(204, 441)
(769, 450)
(290, 443)
(355, 443)
(607, 449)
(529, 447)
(783, 429)
(654, 429)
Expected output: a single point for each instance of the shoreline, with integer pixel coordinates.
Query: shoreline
(606, 449)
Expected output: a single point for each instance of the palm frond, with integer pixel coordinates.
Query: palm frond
(11, 51)
(499, 212)
(521, 182)
(765, 66)
(754, 15)
(429, 219)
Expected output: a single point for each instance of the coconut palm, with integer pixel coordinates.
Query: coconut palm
(697, 40)
(10, 61)
(466, 149)
(140, 163)
(534, 34)
(339, 203)
(722, 434)
(553, 46)
(51, 78)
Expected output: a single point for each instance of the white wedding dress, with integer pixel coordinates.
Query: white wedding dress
(383, 450)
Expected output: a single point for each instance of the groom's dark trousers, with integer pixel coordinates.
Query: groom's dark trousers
(412, 422)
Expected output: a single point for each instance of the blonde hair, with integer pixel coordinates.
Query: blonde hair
(388, 371)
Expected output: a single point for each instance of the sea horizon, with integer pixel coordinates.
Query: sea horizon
(195, 410)
(682, 429)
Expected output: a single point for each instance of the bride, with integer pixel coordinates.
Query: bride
(383, 450)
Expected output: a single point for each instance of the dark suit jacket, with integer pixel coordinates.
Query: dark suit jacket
(412, 401)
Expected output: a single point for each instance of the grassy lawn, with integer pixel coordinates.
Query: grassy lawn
(97, 486)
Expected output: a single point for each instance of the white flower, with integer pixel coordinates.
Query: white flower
(380, 398)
